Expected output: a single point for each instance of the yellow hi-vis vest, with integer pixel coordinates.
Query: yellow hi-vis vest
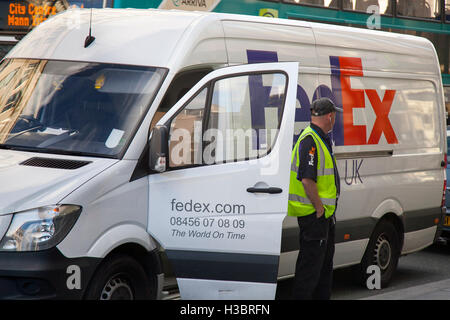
(299, 204)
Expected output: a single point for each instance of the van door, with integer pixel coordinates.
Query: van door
(217, 209)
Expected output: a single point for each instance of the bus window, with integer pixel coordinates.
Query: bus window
(418, 8)
(447, 10)
(364, 5)
(322, 3)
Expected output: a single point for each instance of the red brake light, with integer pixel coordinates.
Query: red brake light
(443, 193)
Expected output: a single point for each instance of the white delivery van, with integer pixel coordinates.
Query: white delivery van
(170, 133)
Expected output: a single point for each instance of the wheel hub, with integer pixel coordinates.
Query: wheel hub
(383, 252)
(117, 288)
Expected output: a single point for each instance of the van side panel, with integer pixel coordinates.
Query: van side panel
(410, 172)
(389, 141)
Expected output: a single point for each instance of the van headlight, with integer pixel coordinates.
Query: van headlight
(39, 229)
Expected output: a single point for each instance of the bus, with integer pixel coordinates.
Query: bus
(424, 18)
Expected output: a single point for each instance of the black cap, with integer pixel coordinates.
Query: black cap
(323, 106)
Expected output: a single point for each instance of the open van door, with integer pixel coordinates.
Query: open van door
(220, 181)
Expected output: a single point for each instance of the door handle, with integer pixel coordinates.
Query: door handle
(271, 190)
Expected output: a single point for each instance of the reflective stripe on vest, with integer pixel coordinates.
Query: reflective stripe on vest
(299, 204)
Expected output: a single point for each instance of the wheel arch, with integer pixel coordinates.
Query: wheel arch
(120, 235)
(397, 222)
(392, 211)
(149, 260)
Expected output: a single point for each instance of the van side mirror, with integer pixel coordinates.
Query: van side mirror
(158, 148)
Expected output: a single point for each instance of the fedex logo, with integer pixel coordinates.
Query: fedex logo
(342, 69)
(344, 96)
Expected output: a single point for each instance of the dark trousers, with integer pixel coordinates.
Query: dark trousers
(314, 269)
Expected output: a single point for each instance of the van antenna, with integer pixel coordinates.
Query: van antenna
(89, 39)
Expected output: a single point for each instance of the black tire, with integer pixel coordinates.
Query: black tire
(383, 251)
(120, 277)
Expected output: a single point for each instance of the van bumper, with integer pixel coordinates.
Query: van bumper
(44, 275)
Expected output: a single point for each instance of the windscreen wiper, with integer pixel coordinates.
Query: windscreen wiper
(7, 146)
(55, 151)
(15, 135)
(19, 148)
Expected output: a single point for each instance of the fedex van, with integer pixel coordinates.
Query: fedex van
(127, 136)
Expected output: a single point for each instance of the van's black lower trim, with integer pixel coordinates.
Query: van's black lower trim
(224, 266)
(421, 219)
(42, 275)
(358, 229)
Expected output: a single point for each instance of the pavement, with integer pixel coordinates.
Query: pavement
(439, 290)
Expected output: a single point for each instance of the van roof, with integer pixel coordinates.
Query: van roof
(122, 36)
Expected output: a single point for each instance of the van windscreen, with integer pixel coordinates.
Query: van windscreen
(76, 108)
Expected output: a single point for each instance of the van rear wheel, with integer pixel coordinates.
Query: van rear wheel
(382, 251)
(119, 277)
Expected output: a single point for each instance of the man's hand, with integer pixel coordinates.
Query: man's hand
(313, 195)
(321, 213)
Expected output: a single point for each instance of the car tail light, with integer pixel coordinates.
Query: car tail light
(443, 193)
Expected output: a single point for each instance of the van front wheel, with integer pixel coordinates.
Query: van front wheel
(120, 277)
(382, 251)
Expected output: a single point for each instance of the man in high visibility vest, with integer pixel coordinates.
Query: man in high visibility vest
(313, 194)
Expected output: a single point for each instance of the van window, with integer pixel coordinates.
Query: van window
(244, 116)
(180, 85)
(71, 107)
(186, 131)
(232, 119)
